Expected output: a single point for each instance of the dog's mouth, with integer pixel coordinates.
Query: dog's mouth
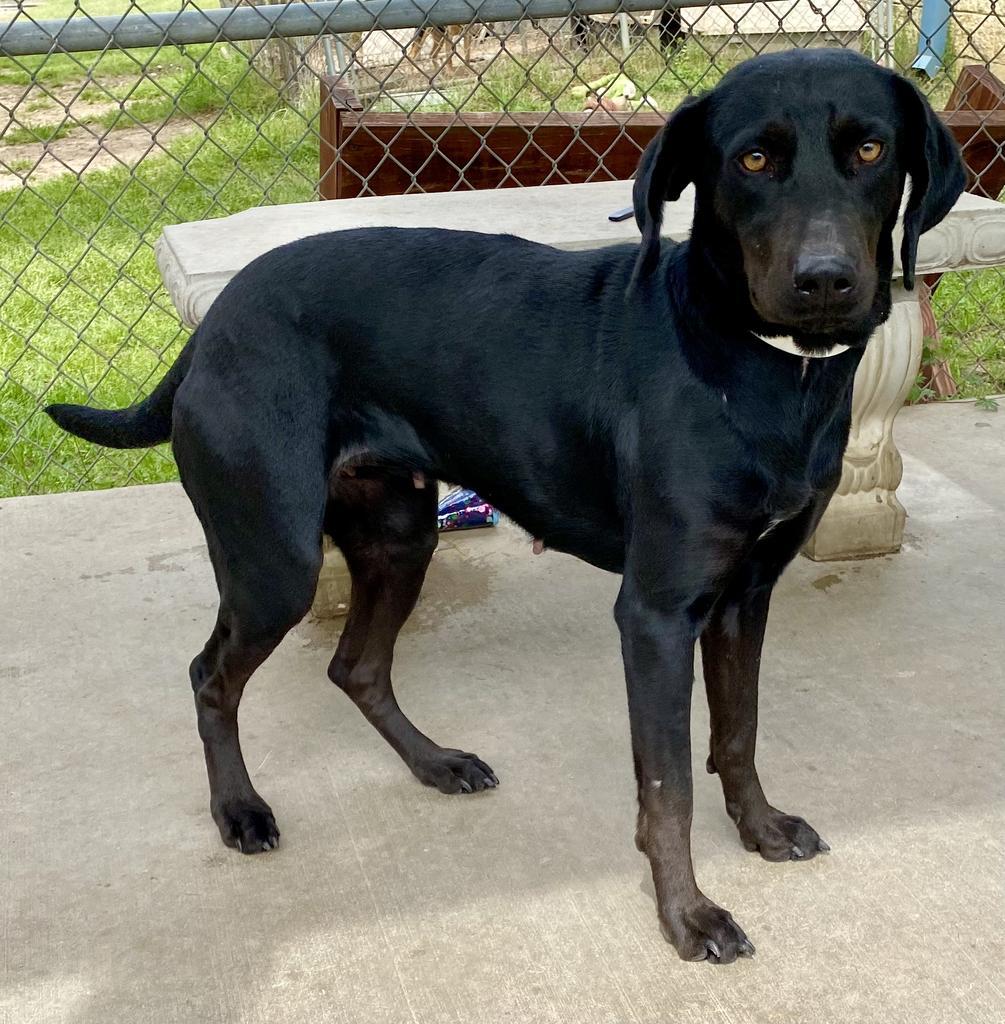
(825, 331)
(817, 331)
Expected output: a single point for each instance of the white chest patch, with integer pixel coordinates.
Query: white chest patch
(788, 345)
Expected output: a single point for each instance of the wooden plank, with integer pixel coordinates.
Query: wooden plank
(383, 154)
(525, 119)
(336, 101)
(975, 120)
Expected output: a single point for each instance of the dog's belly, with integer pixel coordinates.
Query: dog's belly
(603, 555)
(575, 520)
(567, 502)
(598, 544)
(567, 507)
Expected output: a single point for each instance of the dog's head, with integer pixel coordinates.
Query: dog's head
(799, 162)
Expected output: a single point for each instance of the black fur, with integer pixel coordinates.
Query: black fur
(615, 403)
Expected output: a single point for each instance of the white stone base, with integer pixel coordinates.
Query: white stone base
(864, 517)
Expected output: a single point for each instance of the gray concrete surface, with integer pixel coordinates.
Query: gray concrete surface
(882, 722)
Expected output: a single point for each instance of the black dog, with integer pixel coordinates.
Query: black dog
(622, 405)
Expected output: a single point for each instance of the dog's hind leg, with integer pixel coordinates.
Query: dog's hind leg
(386, 528)
(262, 508)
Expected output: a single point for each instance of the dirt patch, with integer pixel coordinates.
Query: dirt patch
(43, 104)
(96, 149)
(87, 146)
(50, 114)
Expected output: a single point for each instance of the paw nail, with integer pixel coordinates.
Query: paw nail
(797, 854)
(466, 786)
(746, 948)
(823, 847)
(713, 949)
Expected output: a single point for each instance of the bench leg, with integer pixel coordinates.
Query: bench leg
(864, 517)
(331, 599)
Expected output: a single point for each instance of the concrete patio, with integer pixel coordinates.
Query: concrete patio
(883, 718)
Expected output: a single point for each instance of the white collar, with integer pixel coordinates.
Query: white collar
(786, 344)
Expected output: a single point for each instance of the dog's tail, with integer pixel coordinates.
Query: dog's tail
(140, 426)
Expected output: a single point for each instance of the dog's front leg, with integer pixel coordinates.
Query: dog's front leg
(658, 635)
(731, 657)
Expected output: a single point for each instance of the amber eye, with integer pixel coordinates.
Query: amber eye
(754, 161)
(869, 152)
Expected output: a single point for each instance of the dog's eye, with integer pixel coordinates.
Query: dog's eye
(869, 152)
(754, 161)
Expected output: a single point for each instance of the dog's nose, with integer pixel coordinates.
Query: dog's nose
(824, 279)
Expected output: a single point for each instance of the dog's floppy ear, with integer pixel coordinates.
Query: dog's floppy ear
(667, 167)
(936, 169)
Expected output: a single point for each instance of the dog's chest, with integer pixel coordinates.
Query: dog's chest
(787, 493)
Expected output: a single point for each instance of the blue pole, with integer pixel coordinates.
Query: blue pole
(933, 37)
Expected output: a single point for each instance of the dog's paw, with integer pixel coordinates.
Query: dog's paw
(778, 837)
(703, 931)
(454, 771)
(247, 826)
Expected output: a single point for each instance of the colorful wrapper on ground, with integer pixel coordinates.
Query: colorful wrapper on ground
(462, 509)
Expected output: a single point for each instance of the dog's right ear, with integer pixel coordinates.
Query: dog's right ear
(668, 166)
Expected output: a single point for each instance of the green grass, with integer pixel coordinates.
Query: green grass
(53, 70)
(35, 133)
(208, 79)
(76, 257)
(84, 280)
(183, 81)
(969, 308)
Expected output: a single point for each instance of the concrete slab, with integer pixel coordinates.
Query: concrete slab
(882, 721)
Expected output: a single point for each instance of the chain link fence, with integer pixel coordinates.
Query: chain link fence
(118, 121)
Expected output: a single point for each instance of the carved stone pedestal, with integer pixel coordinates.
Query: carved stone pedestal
(864, 517)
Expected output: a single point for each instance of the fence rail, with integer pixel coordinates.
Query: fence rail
(117, 124)
(237, 24)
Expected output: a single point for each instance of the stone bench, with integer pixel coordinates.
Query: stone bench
(865, 518)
